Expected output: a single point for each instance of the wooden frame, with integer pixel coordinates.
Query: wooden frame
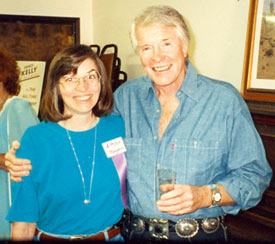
(258, 73)
(37, 38)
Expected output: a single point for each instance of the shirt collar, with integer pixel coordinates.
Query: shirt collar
(149, 87)
(190, 83)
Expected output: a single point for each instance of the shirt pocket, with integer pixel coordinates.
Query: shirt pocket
(133, 156)
(200, 161)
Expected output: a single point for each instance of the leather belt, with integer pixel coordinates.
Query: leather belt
(160, 228)
(112, 232)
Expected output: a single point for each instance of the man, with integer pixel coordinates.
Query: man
(198, 127)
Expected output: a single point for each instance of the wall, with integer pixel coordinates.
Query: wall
(218, 32)
(60, 8)
(218, 29)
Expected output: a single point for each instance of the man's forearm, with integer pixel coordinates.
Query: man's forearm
(2, 162)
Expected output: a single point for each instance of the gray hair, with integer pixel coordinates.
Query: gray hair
(164, 15)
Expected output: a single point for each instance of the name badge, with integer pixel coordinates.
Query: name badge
(114, 147)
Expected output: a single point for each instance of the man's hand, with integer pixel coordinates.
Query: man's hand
(183, 199)
(16, 166)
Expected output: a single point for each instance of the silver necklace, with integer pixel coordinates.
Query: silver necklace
(87, 200)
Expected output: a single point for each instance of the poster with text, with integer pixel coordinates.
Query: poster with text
(31, 81)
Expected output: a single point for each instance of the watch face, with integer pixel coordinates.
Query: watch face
(217, 196)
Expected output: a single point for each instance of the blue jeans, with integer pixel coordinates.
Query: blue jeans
(117, 238)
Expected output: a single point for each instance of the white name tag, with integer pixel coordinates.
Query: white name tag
(114, 147)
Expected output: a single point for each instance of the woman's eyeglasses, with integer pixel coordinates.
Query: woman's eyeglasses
(92, 79)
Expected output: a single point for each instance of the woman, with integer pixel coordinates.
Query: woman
(16, 115)
(73, 190)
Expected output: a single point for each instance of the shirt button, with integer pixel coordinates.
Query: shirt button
(155, 137)
(157, 111)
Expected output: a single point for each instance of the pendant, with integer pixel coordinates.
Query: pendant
(86, 201)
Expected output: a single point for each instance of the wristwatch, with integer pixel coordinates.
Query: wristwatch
(216, 196)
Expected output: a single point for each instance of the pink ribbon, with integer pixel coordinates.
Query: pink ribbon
(121, 168)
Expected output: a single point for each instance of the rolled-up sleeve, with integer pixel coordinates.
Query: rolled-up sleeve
(248, 172)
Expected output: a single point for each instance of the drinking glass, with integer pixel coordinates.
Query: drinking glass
(164, 177)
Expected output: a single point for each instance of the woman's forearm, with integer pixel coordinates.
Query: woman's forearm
(22, 231)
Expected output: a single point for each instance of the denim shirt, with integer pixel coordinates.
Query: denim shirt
(210, 139)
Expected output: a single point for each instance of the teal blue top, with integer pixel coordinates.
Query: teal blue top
(16, 115)
(53, 194)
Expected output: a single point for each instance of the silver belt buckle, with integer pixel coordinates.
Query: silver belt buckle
(187, 227)
(159, 228)
(210, 225)
(138, 224)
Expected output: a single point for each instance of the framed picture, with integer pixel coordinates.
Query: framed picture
(37, 38)
(259, 63)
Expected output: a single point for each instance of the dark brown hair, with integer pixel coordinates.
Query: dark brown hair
(65, 62)
(9, 72)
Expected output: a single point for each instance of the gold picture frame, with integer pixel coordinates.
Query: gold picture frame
(258, 81)
(37, 38)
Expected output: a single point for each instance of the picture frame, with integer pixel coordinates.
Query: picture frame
(258, 80)
(37, 38)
